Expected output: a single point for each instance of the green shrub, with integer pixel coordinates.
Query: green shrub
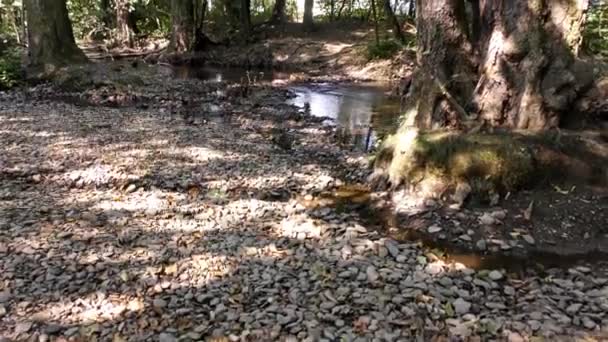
(595, 36)
(384, 50)
(10, 68)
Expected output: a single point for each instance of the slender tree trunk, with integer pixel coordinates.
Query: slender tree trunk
(377, 34)
(182, 26)
(390, 15)
(341, 8)
(245, 17)
(50, 35)
(516, 70)
(125, 33)
(308, 21)
(278, 12)
(411, 10)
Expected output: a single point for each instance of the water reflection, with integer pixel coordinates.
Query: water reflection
(353, 109)
(359, 113)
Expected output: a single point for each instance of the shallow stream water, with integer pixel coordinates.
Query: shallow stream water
(360, 112)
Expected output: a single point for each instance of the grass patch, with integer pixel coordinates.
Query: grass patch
(384, 50)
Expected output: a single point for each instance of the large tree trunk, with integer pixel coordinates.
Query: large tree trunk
(182, 26)
(529, 75)
(125, 34)
(308, 21)
(51, 39)
(390, 15)
(245, 17)
(521, 72)
(445, 64)
(278, 12)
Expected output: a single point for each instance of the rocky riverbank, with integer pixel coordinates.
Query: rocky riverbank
(180, 215)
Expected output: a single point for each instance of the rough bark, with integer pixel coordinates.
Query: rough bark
(278, 12)
(50, 35)
(529, 74)
(516, 69)
(390, 15)
(308, 20)
(124, 31)
(444, 56)
(182, 26)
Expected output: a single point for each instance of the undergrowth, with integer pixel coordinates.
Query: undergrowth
(384, 50)
(10, 67)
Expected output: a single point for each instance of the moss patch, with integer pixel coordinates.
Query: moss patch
(488, 162)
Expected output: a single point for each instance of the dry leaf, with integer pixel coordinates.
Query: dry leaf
(528, 212)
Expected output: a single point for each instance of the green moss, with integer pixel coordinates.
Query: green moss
(486, 161)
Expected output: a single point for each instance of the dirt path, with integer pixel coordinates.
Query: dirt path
(162, 221)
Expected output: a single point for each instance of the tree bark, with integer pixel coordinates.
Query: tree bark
(376, 33)
(50, 35)
(308, 20)
(182, 26)
(390, 15)
(517, 69)
(245, 17)
(278, 12)
(529, 75)
(443, 57)
(125, 33)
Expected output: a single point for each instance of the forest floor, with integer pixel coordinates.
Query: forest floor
(184, 210)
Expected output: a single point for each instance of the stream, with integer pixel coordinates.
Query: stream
(360, 112)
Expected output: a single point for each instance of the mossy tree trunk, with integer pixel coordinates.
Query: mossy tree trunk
(182, 26)
(512, 64)
(518, 71)
(308, 19)
(51, 39)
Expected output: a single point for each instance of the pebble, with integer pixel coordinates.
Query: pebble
(166, 337)
(159, 303)
(588, 323)
(461, 306)
(434, 229)
(495, 275)
(5, 296)
(574, 308)
(481, 245)
(529, 239)
(372, 274)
